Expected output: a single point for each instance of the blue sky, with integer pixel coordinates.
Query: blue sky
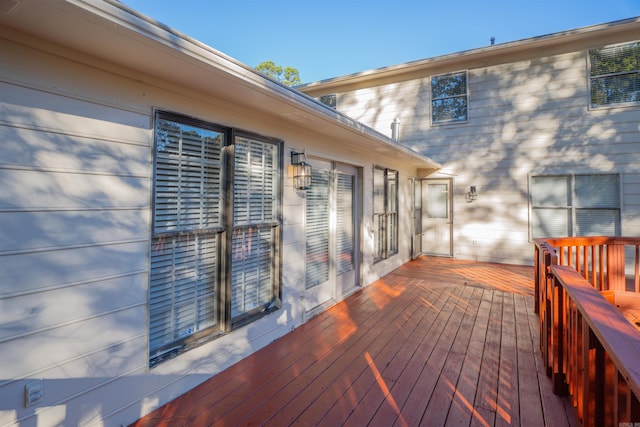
(330, 38)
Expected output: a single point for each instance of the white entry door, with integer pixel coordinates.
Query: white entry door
(331, 236)
(436, 221)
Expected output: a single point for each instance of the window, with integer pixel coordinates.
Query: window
(615, 75)
(385, 212)
(317, 229)
(187, 287)
(255, 227)
(575, 205)
(449, 98)
(329, 100)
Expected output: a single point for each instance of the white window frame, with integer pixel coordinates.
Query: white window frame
(437, 97)
(220, 227)
(573, 207)
(613, 76)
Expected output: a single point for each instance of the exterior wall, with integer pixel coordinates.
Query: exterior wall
(76, 174)
(527, 116)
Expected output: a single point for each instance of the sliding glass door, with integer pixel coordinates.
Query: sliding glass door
(331, 233)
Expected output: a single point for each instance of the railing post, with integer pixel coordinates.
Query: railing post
(615, 267)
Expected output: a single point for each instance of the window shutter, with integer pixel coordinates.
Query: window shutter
(317, 229)
(345, 219)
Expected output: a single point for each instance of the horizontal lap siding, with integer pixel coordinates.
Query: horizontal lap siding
(74, 214)
(75, 200)
(529, 116)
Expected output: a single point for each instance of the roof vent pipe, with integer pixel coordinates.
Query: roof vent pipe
(493, 41)
(395, 129)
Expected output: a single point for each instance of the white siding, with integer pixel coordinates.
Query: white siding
(528, 116)
(74, 237)
(74, 207)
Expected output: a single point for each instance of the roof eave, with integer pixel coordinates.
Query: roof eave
(115, 34)
(592, 36)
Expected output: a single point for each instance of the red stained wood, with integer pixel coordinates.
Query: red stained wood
(436, 342)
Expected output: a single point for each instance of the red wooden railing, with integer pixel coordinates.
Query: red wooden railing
(590, 350)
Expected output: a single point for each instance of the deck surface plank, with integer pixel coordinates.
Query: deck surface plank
(436, 342)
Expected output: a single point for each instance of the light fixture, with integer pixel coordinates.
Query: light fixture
(301, 171)
(471, 195)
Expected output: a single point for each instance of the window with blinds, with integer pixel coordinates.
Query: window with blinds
(187, 290)
(385, 212)
(317, 229)
(183, 283)
(255, 221)
(575, 205)
(614, 73)
(449, 98)
(344, 222)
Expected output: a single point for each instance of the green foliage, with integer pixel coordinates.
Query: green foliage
(289, 76)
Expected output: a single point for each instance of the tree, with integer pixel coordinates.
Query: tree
(288, 75)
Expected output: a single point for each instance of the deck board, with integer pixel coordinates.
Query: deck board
(436, 342)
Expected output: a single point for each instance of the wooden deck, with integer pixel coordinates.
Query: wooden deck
(436, 342)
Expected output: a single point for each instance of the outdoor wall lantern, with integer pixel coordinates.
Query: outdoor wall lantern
(301, 171)
(471, 195)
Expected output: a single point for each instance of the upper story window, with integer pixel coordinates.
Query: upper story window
(614, 73)
(449, 98)
(329, 100)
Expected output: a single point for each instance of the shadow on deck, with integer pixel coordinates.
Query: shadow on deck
(436, 342)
